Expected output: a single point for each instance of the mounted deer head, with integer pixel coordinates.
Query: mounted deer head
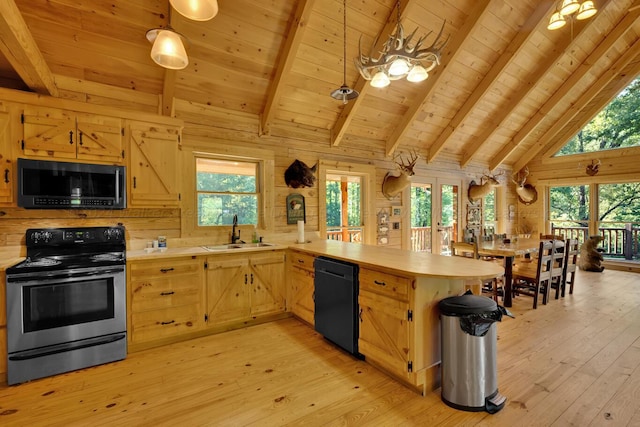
(527, 193)
(392, 185)
(478, 191)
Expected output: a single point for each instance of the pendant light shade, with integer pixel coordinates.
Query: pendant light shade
(168, 48)
(587, 10)
(344, 93)
(417, 74)
(569, 6)
(198, 10)
(556, 21)
(380, 80)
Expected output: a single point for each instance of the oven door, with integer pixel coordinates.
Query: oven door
(64, 306)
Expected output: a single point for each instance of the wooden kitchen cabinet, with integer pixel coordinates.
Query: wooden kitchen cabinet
(386, 322)
(244, 287)
(301, 286)
(56, 134)
(166, 298)
(153, 168)
(7, 160)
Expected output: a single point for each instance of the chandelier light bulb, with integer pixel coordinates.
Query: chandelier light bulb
(380, 80)
(569, 6)
(417, 74)
(587, 10)
(197, 10)
(556, 21)
(399, 67)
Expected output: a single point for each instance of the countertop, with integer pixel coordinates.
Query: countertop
(415, 263)
(139, 255)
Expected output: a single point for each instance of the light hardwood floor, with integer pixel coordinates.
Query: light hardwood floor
(573, 362)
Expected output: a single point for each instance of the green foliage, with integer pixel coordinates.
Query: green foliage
(619, 202)
(616, 126)
(570, 204)
(221, 196)
(420, 206)
(489, 206)
(334, 204)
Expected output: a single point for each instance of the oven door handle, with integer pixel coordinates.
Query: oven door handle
(33, 354)
(70, 274)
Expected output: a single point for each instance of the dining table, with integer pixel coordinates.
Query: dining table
(508, 249)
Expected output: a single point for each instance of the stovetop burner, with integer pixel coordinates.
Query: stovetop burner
(71, 248)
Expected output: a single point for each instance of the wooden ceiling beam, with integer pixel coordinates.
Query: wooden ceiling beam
(287, 55)
(22, 52)
(624, 26)
(519, 42)
(526, 88)
(426, 89)
(348, 111)
(612, 73)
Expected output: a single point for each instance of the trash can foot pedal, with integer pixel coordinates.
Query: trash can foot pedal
(495, 403)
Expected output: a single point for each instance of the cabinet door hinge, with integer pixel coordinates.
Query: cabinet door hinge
(206, 265)
(206, 317)
(410, 367)
(179, 197)
(22, 144)
(123, 154)
(22, 118)
(122, 131)
(410, 315)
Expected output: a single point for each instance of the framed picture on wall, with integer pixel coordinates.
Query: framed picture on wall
(295, 208)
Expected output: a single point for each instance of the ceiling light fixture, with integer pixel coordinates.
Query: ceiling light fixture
(198, 10)
(344, 93)
(570, 9)
(168, 47)
(399, 59)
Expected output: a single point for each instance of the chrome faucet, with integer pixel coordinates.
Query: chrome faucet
(235, 238)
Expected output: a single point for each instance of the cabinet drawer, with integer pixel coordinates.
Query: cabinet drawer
(165, 292)
(147, 270)
(157, 324)
(385, 283)
(301, 260)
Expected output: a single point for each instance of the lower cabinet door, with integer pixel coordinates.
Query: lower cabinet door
(301, 288)
(228, 290)
(165, 323)
(385, 333)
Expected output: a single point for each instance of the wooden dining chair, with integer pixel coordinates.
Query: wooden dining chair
(551, 236)
(557, 267)
(533, 281)
(470, 250)
(571, 250)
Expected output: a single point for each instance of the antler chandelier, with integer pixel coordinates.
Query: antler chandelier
(566, 10)
(399, 58)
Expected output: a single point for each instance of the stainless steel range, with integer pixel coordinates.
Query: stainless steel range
(66, 303)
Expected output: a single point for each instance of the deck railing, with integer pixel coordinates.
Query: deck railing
(618, 243)
(353, 234)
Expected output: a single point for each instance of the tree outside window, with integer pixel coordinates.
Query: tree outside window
(225, 188)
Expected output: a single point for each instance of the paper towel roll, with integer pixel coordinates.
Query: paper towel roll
(300, 231)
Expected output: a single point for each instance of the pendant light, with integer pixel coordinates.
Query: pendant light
(168, 47)
(197, 10)
(344, 93)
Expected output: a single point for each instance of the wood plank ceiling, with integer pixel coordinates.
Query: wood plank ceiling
(507, 89)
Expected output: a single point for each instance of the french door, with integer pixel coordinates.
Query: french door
(435, 213)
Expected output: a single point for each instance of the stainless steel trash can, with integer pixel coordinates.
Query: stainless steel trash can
(469, 341)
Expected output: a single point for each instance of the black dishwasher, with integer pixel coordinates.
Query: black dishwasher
(336, 302)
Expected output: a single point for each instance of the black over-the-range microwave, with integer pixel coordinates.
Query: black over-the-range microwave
(44, 184)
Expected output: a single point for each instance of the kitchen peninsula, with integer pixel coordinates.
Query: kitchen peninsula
(399, 291)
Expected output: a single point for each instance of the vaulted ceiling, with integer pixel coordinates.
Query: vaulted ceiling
(507, 89)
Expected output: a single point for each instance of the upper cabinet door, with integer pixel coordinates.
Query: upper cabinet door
(99, 138)
(153, 171)
(7, 162)
(60, 134)
(48, 132)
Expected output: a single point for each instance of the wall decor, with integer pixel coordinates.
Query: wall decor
(396, 211)
(392, 185)
(295, 208)
(527, 193)
(299, 175)
(383, 227)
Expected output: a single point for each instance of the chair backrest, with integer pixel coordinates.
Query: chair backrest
(551, 236)
(545, 260)
(464, 249)
(571, 250)
(558, 258)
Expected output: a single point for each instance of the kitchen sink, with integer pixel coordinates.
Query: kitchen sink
(233, 246)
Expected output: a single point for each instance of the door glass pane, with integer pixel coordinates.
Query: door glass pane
(421, 213)
(448, 229)
(569, 211)
(344, 208)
